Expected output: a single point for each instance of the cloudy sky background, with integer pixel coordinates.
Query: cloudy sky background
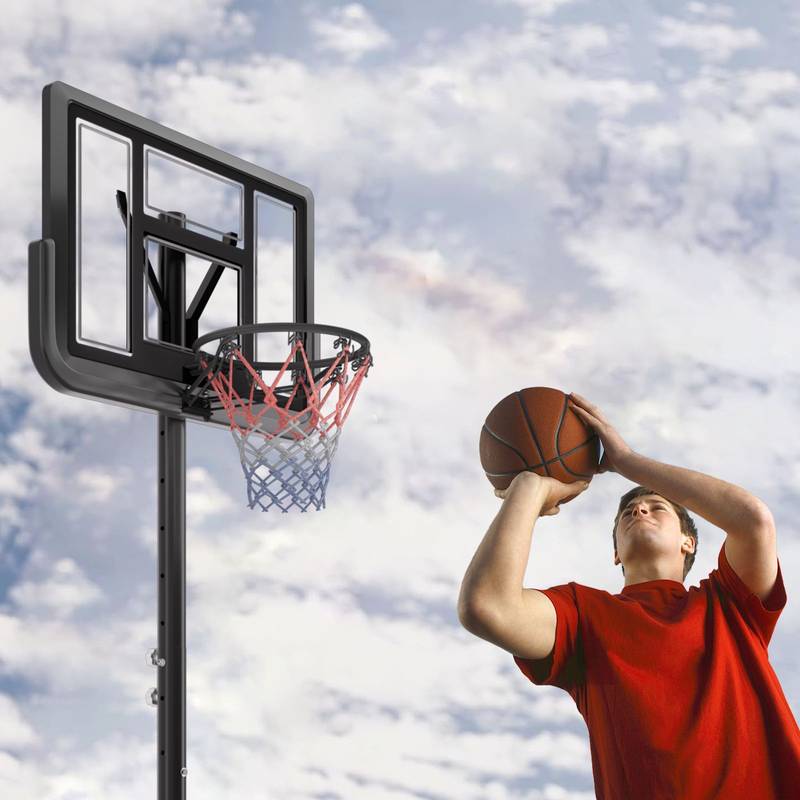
(600, 197)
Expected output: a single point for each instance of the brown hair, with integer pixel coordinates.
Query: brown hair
(688, 527)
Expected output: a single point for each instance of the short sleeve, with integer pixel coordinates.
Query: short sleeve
(760, 616)
(564, 667)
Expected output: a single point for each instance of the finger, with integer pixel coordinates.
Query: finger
(597, 414)
(583, 414)
(594, 421)
(589, 407)
(589, 410)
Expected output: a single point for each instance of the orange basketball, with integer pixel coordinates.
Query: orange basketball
(535, 429)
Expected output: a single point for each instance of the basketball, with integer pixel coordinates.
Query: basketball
(535, 429)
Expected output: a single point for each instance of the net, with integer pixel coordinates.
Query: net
(287, 440)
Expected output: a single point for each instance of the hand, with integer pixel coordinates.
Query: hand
(553, 491)
(615, 449)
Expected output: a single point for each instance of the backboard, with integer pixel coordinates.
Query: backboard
(151, 239)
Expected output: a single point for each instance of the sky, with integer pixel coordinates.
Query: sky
(599, 197)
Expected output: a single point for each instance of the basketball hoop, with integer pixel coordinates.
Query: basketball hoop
(286, 434)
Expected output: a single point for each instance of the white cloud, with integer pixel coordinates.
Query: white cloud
(539, 8)
(15, 732)
(98, 486)
(402, 116)
(759, 88)
(350, 31)
(204, 498)
(711, 10)
(109, 27)
(581, 40)
(714, 42)
(19, 777)
(31, 445)
(62, 593)
(16, 479)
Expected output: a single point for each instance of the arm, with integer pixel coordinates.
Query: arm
(723, 504)
(750, 543)
(494, 576)
(493, 603)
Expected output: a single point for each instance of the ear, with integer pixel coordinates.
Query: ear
(616, 558)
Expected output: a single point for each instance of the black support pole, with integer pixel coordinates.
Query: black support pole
(172, 608)
(172, 549)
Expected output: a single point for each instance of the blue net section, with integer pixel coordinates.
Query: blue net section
(287, 472)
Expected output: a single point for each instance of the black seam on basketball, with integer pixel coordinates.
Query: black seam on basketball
(507, 444)
(551, 461)
(558, 431)
(561, 455)
(532, 432)
(567, 453)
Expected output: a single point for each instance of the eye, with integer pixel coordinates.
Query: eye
(658, 507)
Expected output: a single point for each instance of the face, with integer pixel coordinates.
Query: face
(649, 528)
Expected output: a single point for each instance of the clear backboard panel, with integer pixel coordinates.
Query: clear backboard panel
(151, 239)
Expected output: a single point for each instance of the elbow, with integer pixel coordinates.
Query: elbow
(464, 614)
(759, 517)
(763, 512)
(472, 610)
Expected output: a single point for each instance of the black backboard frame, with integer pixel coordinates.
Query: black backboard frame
(153, 375)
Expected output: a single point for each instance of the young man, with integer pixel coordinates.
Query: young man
(674, 685)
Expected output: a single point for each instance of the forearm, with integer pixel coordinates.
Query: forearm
(723, 504)
(497, 569)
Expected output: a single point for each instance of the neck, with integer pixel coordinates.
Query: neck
(652, 573)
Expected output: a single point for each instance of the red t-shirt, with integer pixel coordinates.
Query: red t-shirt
(676, 689)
